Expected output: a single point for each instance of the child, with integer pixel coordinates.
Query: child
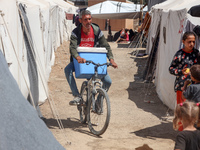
(189, 138)
(183, 59)
(192, 92)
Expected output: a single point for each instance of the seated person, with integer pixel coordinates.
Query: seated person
(123, 36)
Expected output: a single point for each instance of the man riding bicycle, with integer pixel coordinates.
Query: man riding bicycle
(86, 34)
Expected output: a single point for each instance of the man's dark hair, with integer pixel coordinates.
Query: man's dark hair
(84, 12)
(195, 71)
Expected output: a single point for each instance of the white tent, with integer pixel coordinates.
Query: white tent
(169, 21)
(30, 32)
(45, 25)
(115, 10)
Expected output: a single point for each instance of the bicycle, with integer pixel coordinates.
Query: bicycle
(94, 107)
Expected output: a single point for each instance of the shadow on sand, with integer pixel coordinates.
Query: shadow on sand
(72, 123)
(148, 101)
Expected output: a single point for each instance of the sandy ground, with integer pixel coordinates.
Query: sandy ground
(134, 125)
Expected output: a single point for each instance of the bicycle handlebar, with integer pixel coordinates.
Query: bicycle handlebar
(97, 64)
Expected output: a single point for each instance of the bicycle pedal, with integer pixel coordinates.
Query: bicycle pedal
(82, 104)
(98, 113)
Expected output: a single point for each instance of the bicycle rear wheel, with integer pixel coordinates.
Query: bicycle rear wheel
(98, 116)
(82, 107)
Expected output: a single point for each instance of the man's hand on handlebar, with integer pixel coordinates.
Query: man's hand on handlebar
(80, 60)
(114, 65)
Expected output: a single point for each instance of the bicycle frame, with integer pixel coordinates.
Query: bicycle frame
(92, 85)
(93, 102)
(93, 80)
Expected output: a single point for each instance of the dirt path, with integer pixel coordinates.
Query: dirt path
(134, 123)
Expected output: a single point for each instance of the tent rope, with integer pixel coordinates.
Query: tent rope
(49, 98)
(140, 37)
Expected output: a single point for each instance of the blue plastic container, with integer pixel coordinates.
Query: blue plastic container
(97, 55)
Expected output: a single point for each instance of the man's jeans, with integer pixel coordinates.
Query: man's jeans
(69, 69)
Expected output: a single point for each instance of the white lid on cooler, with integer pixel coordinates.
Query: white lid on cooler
(92, 49)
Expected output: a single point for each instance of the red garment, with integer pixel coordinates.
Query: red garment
(127, 37)
(180, 126)
(87, 40)
(179, 100)
(179, 97)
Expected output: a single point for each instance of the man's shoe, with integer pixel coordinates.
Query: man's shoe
(75, 101)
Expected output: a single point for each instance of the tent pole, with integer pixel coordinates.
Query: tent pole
(141, 10)
(141, 18)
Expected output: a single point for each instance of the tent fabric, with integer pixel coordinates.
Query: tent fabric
(164, 80)
(12, 42)
(170, 20)
(20, 127)
(30, 32)
(33, 13)
(49, 28)
(33, 97)
(176, 5)
(115, 10)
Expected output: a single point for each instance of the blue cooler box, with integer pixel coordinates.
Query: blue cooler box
(97, 55)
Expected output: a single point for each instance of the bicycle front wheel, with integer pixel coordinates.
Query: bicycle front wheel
(98, 116)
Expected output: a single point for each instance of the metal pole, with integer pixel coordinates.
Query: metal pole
(141, 10)
(141, 19)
